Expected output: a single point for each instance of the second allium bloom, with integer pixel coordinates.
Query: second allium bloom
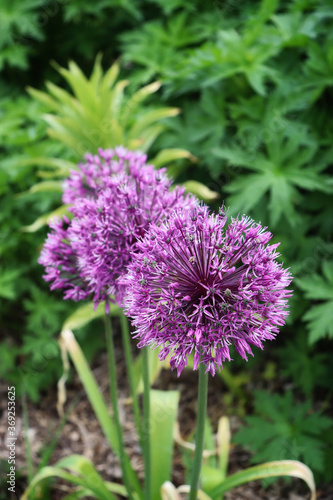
(197, 286)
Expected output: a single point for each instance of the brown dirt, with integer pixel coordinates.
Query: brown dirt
(81, 433)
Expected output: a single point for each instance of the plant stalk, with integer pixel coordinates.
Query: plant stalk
(130, 373)
(114, 401)
(200, 431)
(146, 423)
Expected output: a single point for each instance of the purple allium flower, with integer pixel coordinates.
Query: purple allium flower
(97, 171)
(198, 286)
(60, 262)
(115, 196)
(105, 229)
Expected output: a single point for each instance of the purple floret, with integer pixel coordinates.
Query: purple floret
(199, 286)
(60, 262)
(105, 229)
(96, 172)
(114, 196)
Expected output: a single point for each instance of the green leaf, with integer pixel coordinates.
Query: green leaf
(282, 429)
(85, 476)
(223, 444)
(250, 191)
(169, 155)
(320, 321)
(210, 477)
(100, 114)
(149, 118)
(47, 187)
(8, 279)
(163, 415)
(69, 344)
(200, 190)
(86, 313)
(291, 468)
(306, 367)
(319, 317)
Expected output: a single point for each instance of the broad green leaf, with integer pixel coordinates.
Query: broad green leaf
(291, 468)
(250, 189)
(47, 187)
(8, 279)
(100, 114)
(146, 138)
(110, 77)
(96, 490)
(86, 313)
(63, 96)
(149, 118)
(281, 196)
(163, 414)
(117, 98)
(139, 96)
(239, 158)
(79, 493)
(210, 477)
(200, 190)
(169, 155)
(280, 429)
(44, 98)
(319, 317)
(316, 287)
(79, 464)
(69, 344)
(223, 444)
(320, 321)
(83, 90)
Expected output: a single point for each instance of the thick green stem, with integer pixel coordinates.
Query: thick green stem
(200, 431)
(146, 423)
(130, 373)
(114, 401)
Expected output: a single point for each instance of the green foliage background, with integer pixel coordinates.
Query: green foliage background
(254, 82)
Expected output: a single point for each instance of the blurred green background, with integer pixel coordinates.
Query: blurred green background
(253, 81)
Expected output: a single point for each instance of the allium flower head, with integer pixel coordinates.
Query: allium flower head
(115, 196)
(60, 262)
(105, 229)
(96, 172)
(199, 286)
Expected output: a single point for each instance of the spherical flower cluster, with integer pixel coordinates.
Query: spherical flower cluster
(105, 229)
(96, 172)
(115, 197)
(60, 262)
(197, 285)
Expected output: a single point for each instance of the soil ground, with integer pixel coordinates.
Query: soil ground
(81, 434)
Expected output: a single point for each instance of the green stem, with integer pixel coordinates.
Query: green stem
(130, 373)
(200, 431)
(114, 400)
(146, 423)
